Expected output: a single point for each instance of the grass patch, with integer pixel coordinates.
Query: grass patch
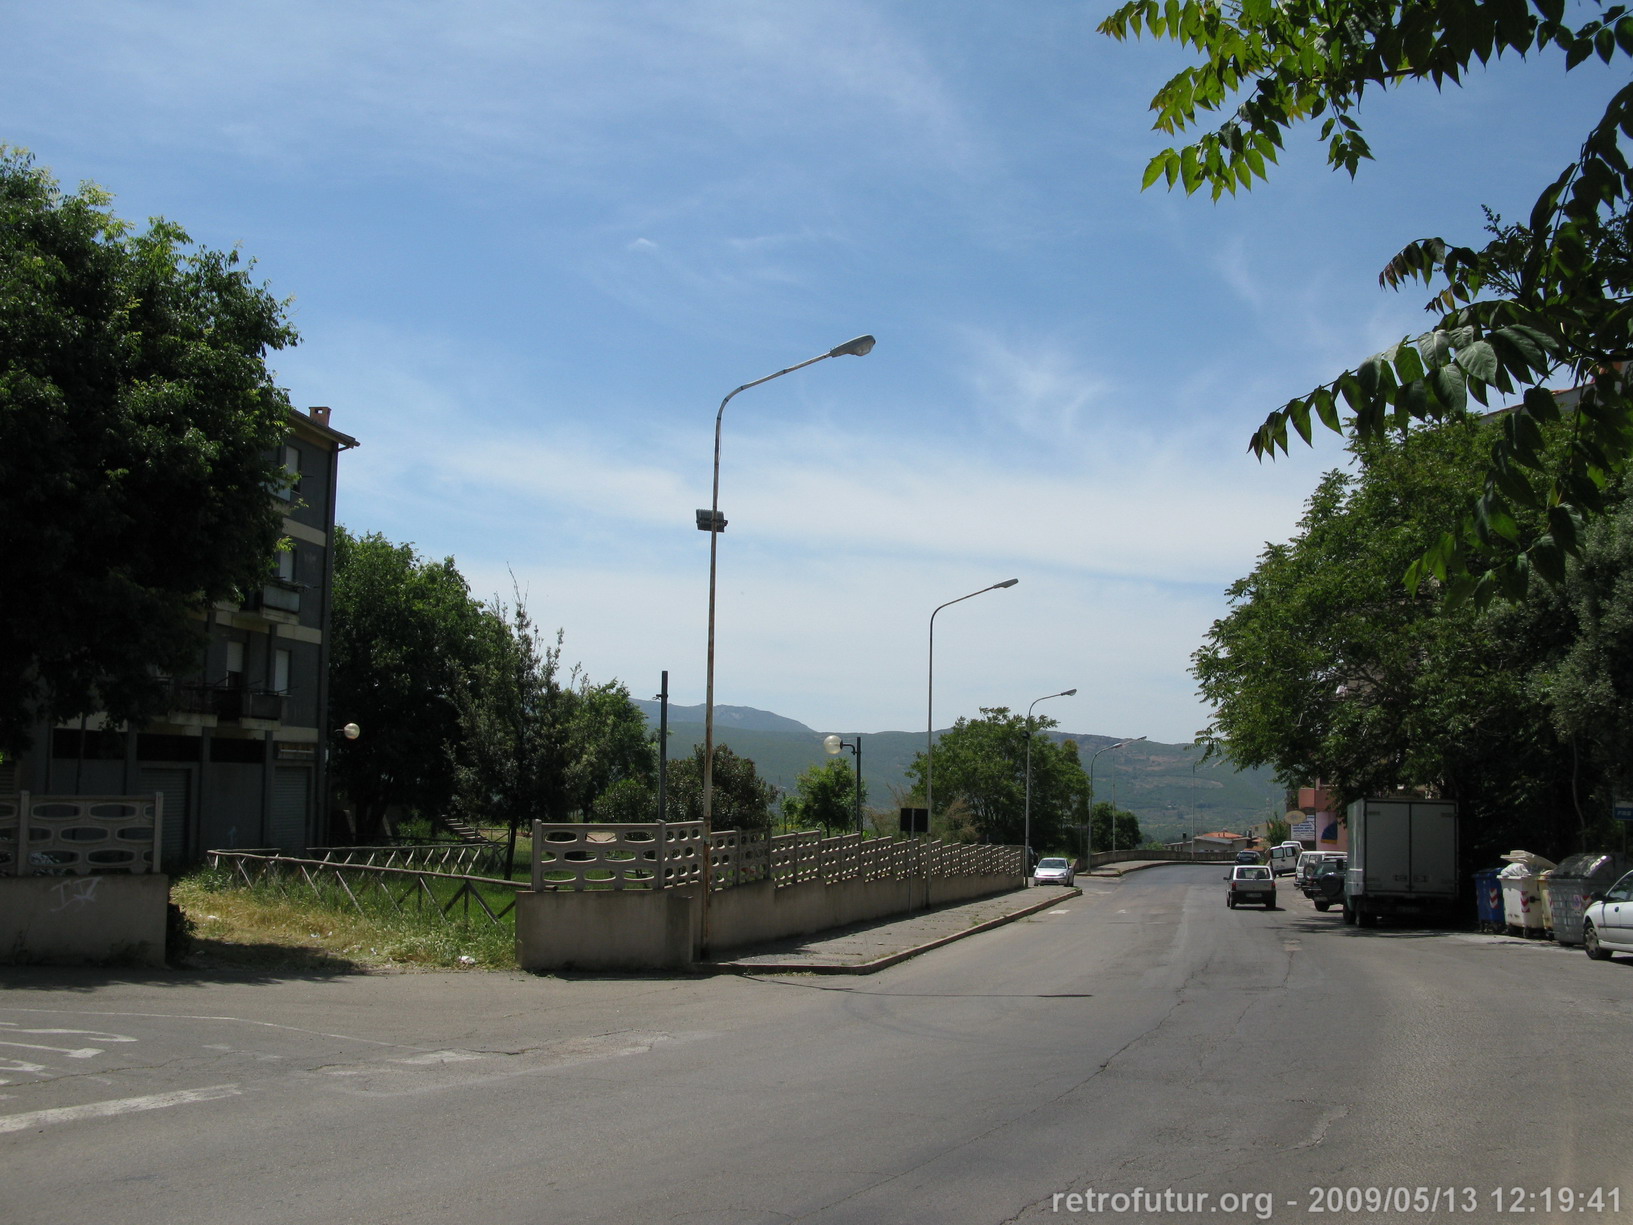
(283, 925)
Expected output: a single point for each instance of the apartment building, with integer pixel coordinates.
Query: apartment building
(240, 756)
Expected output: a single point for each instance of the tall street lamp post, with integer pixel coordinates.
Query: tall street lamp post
(1026, 837)
(834, 744)
(1088, 830)
(930, 698)
(711, 521)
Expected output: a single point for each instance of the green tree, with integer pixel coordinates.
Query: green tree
(980, 780)
(825, 797)
(608, 744)
(1329, 665)
(512, 748)
(1115, 828)
(1541, 303)
(406, 639)
(742, 799)
(138, 428)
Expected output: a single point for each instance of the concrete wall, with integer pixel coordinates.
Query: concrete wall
(69, 920)
(637, 929)
(661, 929)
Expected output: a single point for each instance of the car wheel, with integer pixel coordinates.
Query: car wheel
(1323, 905)
(1590, 942)
(1230, 901)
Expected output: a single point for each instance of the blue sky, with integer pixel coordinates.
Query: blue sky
(530, 246)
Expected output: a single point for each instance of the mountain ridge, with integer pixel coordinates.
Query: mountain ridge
(1167, 786)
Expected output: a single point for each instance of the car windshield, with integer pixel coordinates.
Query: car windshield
(1051, 863)
(1252, 873)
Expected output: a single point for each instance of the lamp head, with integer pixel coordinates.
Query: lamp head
(351, 731)
(860, 347)
(1069, 693)
(1008, 582)
(833, 744)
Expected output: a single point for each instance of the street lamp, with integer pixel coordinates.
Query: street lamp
(712, 522)
(1026, 837)
(930, 697)
(833, 744)
(1088, 830)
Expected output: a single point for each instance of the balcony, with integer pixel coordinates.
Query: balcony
(279, 595)
(260, 704)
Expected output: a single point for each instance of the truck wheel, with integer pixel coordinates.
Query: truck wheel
(1349, 916)
(1322, 904)
(1590, 942)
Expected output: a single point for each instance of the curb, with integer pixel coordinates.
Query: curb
(890, 959)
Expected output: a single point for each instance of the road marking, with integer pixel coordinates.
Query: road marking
(83, 1052)
(125, 1105)
(1060, 912)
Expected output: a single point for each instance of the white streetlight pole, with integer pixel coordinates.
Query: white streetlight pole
(711, 521)
(930, 697)
(1088, 836)
(1026, 837)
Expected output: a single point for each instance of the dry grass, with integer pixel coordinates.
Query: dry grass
(263, 929)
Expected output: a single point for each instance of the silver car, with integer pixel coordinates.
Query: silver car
(1607, 923)
(1053, 871)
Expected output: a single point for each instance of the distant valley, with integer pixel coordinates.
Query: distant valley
(1167, 786)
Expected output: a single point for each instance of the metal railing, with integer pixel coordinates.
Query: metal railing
(398, 888)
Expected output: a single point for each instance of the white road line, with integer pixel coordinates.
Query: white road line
(125, 1105)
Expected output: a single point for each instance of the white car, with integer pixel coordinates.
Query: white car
(1607, 923)
(1053, 871)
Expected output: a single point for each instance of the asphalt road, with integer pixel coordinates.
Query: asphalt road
(1230, 1065)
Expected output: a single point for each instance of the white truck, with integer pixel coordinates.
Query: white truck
(1402, 859)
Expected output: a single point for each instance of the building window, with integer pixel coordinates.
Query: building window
(291, 483)
(235, 665)
(280, 672)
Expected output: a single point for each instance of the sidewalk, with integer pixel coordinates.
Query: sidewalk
(864, 948)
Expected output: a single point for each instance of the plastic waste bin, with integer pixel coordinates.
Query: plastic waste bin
(1573, 882)
(1522, 895)
(1545, 883)
(1488, 900)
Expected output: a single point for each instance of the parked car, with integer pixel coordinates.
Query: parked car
(1247, 857)
(1251, 883)
(1327, 885)
(1284, 856)
(1053, 870)
(1607, 923)
(1309, 861)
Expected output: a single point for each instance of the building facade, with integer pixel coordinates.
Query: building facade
(241, 756)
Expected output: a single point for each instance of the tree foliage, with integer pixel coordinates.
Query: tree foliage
(1115, 828)
(408, 643)
(742, 799)
(138, 426)
(1329, 665)
(825, 797)
(463, 704)
(980, 780)
(1541, 302)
